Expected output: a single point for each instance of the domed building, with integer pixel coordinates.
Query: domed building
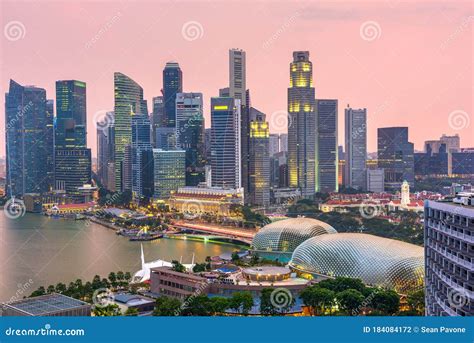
(377, 261)
(279, 239)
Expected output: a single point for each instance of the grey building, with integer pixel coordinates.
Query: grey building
(157, 116)
(355, 140)
(274, 143)
(259, 164)
(53, 304)
(327, 163)
(141, 146)
(169, 172)
(301, 125)
(449, 256)
(172, 85)
(375, 180)
(105, 152)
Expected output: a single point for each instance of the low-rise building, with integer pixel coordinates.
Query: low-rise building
(53, 304)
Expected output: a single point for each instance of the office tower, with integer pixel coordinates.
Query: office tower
(283, 142)
(157, 116)
(172, 85)
(259, 164)
(128, 102)
(105, 152)
(256, 115)
(453, 143)
(28, 147)
(224, 92)
(237, 75)
(165, 138)
(169, 171)
(375, 180)
(449, 256)
(301, 125)
(49, 141)
(208, 144)
(72, 157)
(432, 162)
(356, 147)
(225, 147)
(274, 144)
(190, 135)
(327, 163)
(395, 156)
(463, 162)
(141, 145)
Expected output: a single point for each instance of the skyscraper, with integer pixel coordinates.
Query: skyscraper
(157, 116)
(190, 135)
(237, 76)
(259, 164)
(395, 156)
(72, 157)
(274, 143)
(105, 153)
(28, 140)
(169, 171)
(283, 142)
(172, 85)
(128, 102)
(141, 146)
(327, 163)
(356, 148)
(301, 125)
(225, 148)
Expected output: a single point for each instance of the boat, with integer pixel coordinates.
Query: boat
(146, 237)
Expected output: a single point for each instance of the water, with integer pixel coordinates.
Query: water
(39, 251)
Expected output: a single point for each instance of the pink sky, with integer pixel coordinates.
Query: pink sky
(416, 72)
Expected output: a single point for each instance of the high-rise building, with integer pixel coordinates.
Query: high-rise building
(190, 135)
(453, 143)
(283, 142)
(259, 164)
(237, 75)
(29, 149)
(301, 125)
(72, 157)
(375, 180)
(356, 148)
(169, 171)
(274, 143)
(327, 163)
(128, 102)
(225, 147)
(449, 256)
(208, 144)
(141, 147)
(172, 85)
(395, 155)
(49, 140)
(157, 116)
(105, 152)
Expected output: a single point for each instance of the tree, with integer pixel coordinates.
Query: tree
(110, 310)
(386, 301)
(254, 259)
(60, 288)
(235, 256)
(38, 292)
(199, 268)
(50, 289)
(166, 306)
(272, 303)
(131, 311)
(318, 299)
(416, 302)
(113, 279)
(241, 302)
(128, 276)
(350, 300)
(177, 267)
(197, 306)
(219, 305)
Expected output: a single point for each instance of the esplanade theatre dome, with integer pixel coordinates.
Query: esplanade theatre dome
(375, 260)
(285, 235)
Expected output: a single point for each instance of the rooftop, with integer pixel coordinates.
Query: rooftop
(46, 304)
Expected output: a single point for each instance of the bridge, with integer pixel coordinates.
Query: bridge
(241, 235)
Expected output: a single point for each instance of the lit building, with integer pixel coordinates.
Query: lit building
(172, 85)
(326, 146)
(449, 256)
(356, 147)
(201, 200)
(72, 169)
(225, 147)
(105, 152)
(377, 261)
(141, 146)
(375, 180)
(190, 135)
(396, 156)
(259, 164)
(169, 171)
(29, 149)
(128, 102)
(301, 125)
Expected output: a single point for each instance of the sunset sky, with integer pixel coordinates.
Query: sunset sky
(409, 63)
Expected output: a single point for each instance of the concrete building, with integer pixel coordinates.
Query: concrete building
(375, 180)
(327, 163)
(169, 171)
(274, 144)
(356, 148)
(259, 164)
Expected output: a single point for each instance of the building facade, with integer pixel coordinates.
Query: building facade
(141, 146)
(356, 148)
(169, 171)
(259, 164)
(375, 180)
(172, 85)
(301, 125)
(105, 152)
(449, 257)
(327, 163)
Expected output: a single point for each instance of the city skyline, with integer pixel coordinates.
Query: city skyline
(394, 96)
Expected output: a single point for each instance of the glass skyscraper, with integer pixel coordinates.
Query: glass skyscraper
(72, 158)
(141, 144)
(327, 163)
(356, 148)
(128, 102)
(259, 164)
(105, 153)
(169, 171)
(190, 135)
(301, 125)
(29, 149)
(225, 146)
(172, 85)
